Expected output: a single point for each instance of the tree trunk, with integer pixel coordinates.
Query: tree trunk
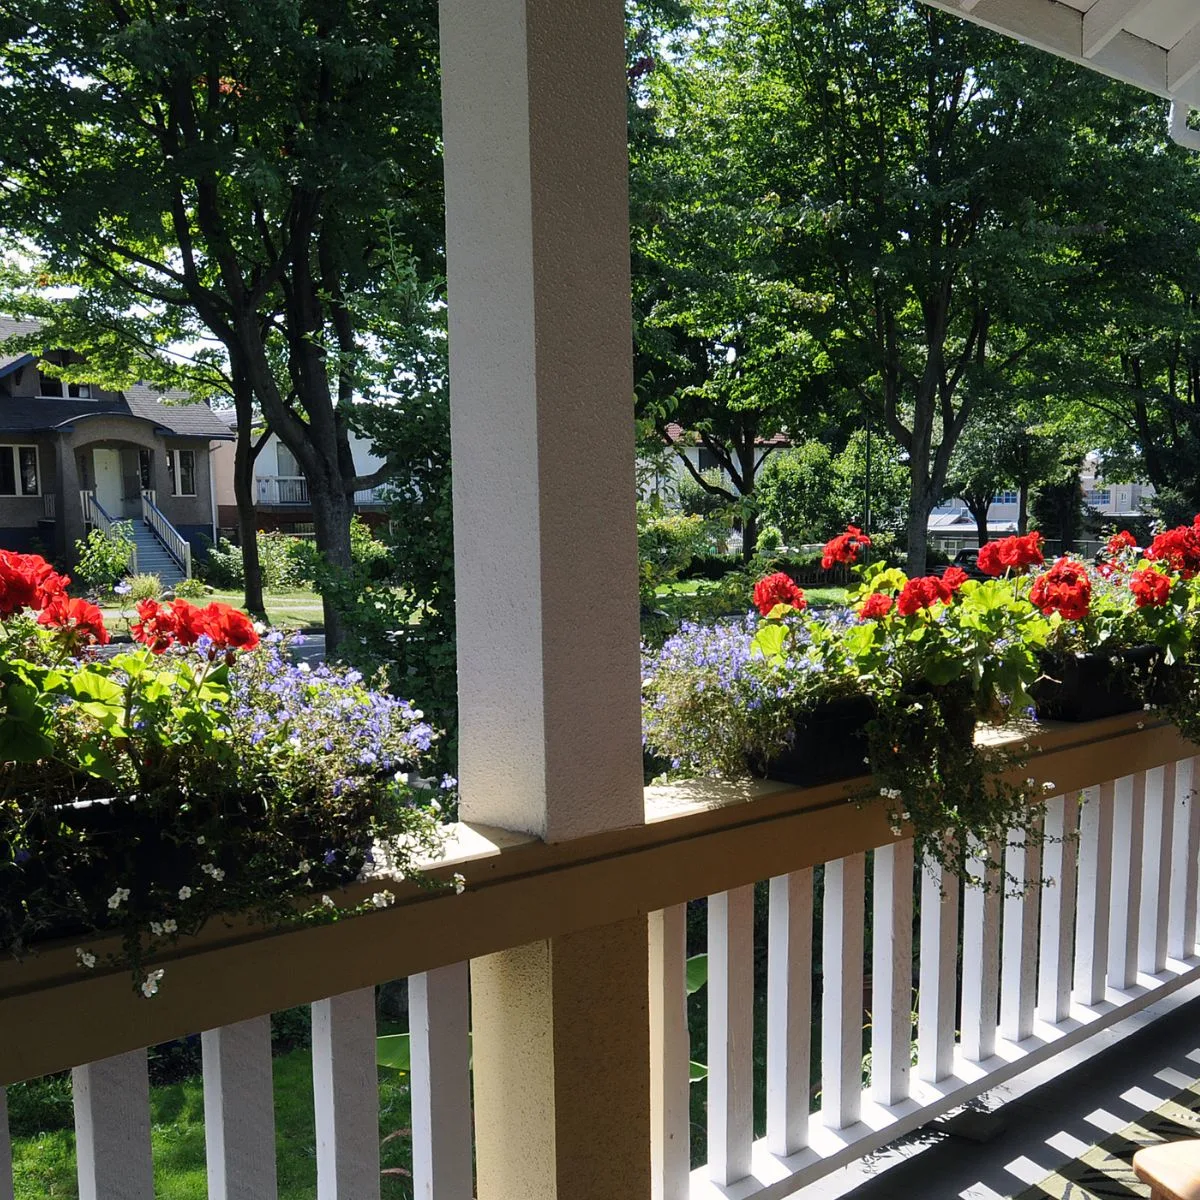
(980, 515)
(920, 506)
(331, 520)
(243, 494)
(749, 536)
(1022, 510)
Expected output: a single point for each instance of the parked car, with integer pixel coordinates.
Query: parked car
(967, 560)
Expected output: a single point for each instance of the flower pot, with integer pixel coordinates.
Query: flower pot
(1086, 687)
(826, 745)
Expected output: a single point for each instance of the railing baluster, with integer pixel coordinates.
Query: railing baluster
(1018, 943)
(1129, 813)
(1059, 867)
(730, 1033)
(1092, 898)
(112, 1128)
(239, 1111)
(439, 1024)
(1155, 904)
(842, 992)
(891, 973)
(1185, 850)
(670, 1053)
(6, 1177)
(939, 953)
(981, 959)
(789, 1011)
(346, 1096)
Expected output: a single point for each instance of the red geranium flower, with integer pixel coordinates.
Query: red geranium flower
(1011, 554)
(922, 592)
(157, 627)
(1179, 549)
(84, 620)
(27, 581)
(1065, 588)
(1123, 540)
(1151, 588)
(231, 629)
(845, 547)
(875, 606)
(777, 589)
(954, 578)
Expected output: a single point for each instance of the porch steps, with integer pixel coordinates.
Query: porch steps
(152, 557)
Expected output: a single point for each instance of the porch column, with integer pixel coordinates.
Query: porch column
(68, 526)
(534, 110)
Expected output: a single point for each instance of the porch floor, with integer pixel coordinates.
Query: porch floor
(1052, 1116)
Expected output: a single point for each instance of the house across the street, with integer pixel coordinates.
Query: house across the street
(75, 456)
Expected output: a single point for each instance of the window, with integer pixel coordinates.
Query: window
(82, 391)
(1006, 498)
(288, 467)
(1098, 496)
(48, 385)
(19, 471)
(181, 466)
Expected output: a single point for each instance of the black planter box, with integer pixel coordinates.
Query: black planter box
(825, 746)
(1091, 686)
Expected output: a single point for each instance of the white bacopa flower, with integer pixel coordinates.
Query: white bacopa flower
(1031, 782)
(259, 628)
(1141, 724)
(169, 926)
(304, 668)
(200, 840)
(156, 928)
(212, 870)
(382, 899)
(460, 883)
(85, 957)
(151, 982)
(1047, 786)
(118, 897)
(305, 866)
(1146, 707)
(327, 902)
(185, 893)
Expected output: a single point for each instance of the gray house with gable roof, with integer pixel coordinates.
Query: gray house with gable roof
(76, 456)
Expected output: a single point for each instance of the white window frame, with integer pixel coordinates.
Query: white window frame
(18, 492)
(177, 474)
(64, 392)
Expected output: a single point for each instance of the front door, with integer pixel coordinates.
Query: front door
(110, 492)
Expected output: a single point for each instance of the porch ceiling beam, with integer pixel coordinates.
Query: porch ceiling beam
(1104, 20)
(1183, 59)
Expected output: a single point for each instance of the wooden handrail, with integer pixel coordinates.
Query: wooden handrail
(698, 838)
(95, 514)
(177, 546)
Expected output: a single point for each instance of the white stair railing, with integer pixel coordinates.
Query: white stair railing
(95, 515)
(177, 546)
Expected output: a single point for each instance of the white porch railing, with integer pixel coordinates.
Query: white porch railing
(1039, 972)
(283, 490)
(95, 515)
(177, 546)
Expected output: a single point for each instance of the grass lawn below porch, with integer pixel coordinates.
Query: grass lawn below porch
(292, 610)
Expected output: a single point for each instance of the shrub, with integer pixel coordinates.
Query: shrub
(144, 587)
(697, 501)
(223, 567)
(287, 562)
(104, 558)
(191, 589)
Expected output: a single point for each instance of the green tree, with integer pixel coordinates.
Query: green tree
(256, 165)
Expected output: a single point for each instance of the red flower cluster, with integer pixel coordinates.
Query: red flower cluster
(1065, 588)
(923, 592)
(1179, 549)
(1011, 553)
(1150, 588)
(162, 626)
(876, 605)
(83, 620)
(27, 581)
(954, 578)
(1123, 540)
(777, 589)
(845, 547)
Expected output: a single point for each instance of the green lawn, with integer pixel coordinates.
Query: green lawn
(44, 1166)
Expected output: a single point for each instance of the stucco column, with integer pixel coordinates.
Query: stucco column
(69, 523)
(537, 238)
